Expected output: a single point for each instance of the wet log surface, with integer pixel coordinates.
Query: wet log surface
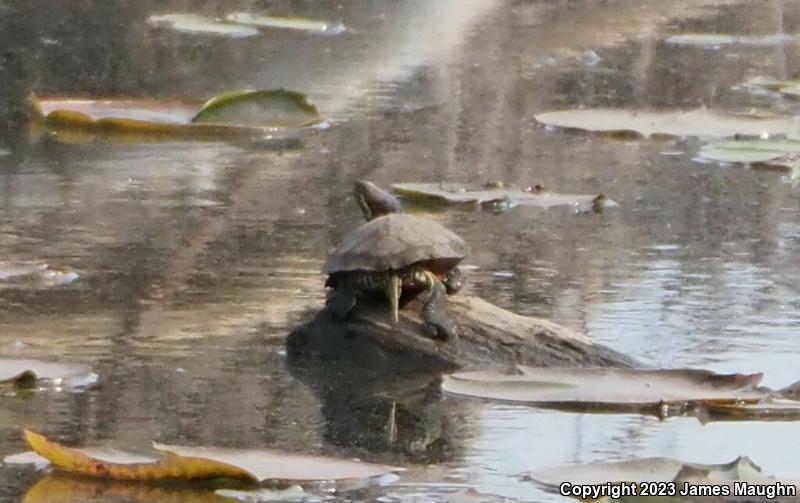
(489, 338)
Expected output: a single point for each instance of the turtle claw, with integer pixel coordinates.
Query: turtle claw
(443, 330)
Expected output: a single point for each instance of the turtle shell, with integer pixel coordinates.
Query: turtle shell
(395, 241)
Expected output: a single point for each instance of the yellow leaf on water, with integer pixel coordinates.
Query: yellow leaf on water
(169, 467)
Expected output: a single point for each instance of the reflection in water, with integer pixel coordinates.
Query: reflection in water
(196, 259)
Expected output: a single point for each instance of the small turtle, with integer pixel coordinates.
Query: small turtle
(395, 253)
(374, 201)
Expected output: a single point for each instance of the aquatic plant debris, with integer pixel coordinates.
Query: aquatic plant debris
(276, 113)
(486, 197)
(699, 122)
(607, 388)
(28, 372)
(193, 23)
(170, 462)
(287, 22)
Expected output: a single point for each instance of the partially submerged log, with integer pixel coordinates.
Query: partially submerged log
(489, 337)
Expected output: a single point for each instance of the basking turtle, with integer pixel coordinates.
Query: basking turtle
(395, 253)
(374, 201)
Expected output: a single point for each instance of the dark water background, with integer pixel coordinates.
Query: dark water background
(197, 258)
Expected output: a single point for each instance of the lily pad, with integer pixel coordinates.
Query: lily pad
(34, 275)
(24, 372)
(192, 23)
(271, 114)
(642, 470)
(609, 389)
(771, 152)
(286, 22)
(170, 462)
(790, 87)
(697, 122)
(771, 409)
(492, 198)
(291, 493)
(277, 108)
(715, 40)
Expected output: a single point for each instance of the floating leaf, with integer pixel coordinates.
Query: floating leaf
(119, 466)
(716, 39)
(698, 122)
(192, 23)
(772, 409)
(191, 463)
(640, 470)
(26, 372)
(34, 275)
(277, 108)
(491, 198)
(172, 119)
(291, 23)
(291, 493)
(267, 464)
(773, 152)
(59, 488)
(611, 389)
(790, 87)
(701, 39)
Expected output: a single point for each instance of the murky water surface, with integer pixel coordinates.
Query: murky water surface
(195, 259)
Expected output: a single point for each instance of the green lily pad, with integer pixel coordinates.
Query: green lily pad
(698, 122)
(192, 23)
(492, 198)
(609, 389)
(275, 108)
(25, 372)
(285, 22)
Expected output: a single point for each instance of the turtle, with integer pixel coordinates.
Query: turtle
(374, 201)
(394, 253)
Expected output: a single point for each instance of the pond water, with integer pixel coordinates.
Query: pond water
(196, 259)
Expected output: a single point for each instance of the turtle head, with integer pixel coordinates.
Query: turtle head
(374, 201)
(453, 280)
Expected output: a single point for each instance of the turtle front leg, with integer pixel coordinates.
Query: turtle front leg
(340, 302)
(434, 309)
(393, 287)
